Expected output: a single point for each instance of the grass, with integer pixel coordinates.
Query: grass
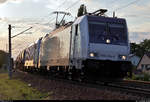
(142, 77)
(17, 90)
(3, 70)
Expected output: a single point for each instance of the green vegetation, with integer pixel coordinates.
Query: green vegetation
(3, 70)
(140, 49)
(3, 58)
(141, 77)
(17, 90)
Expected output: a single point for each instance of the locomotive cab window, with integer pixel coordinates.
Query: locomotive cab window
(97, 32)
(102, 32)
(118, 33)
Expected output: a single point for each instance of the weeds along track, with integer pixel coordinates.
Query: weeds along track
(133, 88)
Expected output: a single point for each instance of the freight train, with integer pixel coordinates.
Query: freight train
(92, 46)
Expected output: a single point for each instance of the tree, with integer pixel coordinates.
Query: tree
(3, 58)
(145, 45)
(136, 49)
(82, 10)
(140, 49)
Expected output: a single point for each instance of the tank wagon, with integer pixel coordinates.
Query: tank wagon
(90, 46)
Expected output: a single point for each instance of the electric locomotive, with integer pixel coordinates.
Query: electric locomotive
(92, 45)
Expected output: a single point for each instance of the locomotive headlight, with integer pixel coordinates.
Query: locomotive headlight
(92, 55)
(108, 41)
(124, 57)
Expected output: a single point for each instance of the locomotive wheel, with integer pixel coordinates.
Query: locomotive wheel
(76, 75)
(31, 70)
(81, 77)
(69, 76)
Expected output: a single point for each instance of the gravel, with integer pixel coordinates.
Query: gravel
(65, 91)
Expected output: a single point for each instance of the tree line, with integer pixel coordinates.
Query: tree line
(141, 48)
(3, 58)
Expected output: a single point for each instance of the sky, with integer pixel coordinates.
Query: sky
(22, 14)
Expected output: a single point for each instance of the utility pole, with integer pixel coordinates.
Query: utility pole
(9, 59)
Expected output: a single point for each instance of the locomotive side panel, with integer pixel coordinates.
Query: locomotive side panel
(55, 49)
(50, 51)
(20, 60)
(79, 42)
(84, 38)
(30, 56)
(37, 52)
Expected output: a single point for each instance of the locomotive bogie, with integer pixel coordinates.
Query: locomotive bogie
(107, 69)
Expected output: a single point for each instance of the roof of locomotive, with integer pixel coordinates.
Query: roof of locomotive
(90, 18)
(105, 19)
(77, 21)
(61, 28)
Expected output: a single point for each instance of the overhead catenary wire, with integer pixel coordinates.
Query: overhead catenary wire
(56, 9)
(114, 1)
(72, 5)
(21, 32)
(24, 42)
(111, 3)
(127, 5)
(59, 6)
(62, 4)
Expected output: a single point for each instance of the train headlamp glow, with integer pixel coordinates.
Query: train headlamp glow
(124, 57)
(92, 55)
(108, 41)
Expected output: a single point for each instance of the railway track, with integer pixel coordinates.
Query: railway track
(134, 88)
(140, 89)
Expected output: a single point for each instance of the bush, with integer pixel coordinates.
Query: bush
(146, 77)
(142, 77)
